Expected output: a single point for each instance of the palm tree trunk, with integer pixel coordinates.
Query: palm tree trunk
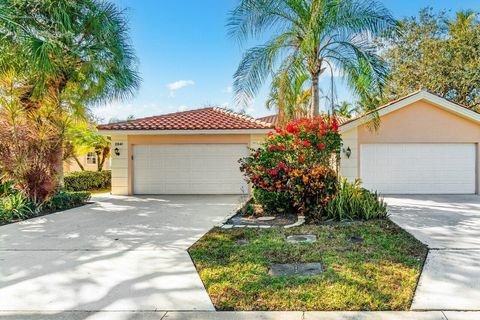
(315, 95)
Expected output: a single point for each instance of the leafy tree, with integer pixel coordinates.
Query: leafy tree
(83, 137)
(436, 53)
(311, 36)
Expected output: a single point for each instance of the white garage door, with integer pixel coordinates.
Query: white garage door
(418, 168)
(188, 169)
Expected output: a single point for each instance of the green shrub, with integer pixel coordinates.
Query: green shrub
(88, 180)
(273, 202)
(297, 161)
(15, 207)
(354, 202)
(64, 200)
(6, 188)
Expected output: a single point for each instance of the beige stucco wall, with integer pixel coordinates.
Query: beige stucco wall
(122, 166)
(420, 122)
(348, 166)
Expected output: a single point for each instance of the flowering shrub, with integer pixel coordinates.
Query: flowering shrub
(296, 160)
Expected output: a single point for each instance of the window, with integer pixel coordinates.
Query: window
(91, 158)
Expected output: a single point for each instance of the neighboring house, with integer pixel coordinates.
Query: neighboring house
(425, 144)
(89, 161)
(191, 152)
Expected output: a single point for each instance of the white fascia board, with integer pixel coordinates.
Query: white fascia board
(422, 95)
(189, 132)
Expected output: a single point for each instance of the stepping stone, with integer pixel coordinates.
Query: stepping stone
(266, 218)
(302, 238)
(242, 242)
(355, 239)
(295, 269)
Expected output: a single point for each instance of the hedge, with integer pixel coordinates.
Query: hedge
(87, 180)
(64, 200)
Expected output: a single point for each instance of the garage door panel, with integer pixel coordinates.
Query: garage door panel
(418, 168)
(188, 169)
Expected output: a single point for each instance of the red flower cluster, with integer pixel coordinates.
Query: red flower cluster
(300, 146)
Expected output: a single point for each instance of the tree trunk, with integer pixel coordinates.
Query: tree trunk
(315, 95)
(102, 156)
(59, 167)
(78, 162)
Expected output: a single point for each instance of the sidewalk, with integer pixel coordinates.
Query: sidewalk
(254, 315)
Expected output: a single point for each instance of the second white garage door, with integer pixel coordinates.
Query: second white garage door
(188, 169)
(418, 168)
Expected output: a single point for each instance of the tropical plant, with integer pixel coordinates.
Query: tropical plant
(311, 36)
(64, 200)
(352, 202)
(296, 162)
(84, 137)
(29, 142)
(67, 54)
(346, 110)
(290, 97)
(15, 207)
(437, 53)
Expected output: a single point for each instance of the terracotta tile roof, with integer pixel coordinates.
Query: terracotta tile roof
(274, 118)
(211, 118)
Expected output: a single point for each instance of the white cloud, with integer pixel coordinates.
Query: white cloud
(228, 89)
(180, 84)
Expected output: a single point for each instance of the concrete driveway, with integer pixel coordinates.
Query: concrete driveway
(118, 254)
(450, 226)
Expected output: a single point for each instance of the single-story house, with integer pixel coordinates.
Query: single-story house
(425, 144)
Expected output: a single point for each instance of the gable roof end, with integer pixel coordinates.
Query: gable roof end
(434, 99)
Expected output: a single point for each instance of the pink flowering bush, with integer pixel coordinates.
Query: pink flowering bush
(296, 161)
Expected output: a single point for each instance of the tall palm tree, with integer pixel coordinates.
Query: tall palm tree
(316, 34)
(289, 96)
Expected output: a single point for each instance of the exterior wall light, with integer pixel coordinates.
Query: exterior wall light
(117, 151)
(348, 152)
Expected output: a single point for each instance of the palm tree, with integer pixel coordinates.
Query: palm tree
(74, 52)
(289, 96)
(315, 34)
(346, 109)
(68, 55)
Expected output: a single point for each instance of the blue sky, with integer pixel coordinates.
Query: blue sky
(187, 61)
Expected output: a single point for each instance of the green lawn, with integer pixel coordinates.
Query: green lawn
(379, 274)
